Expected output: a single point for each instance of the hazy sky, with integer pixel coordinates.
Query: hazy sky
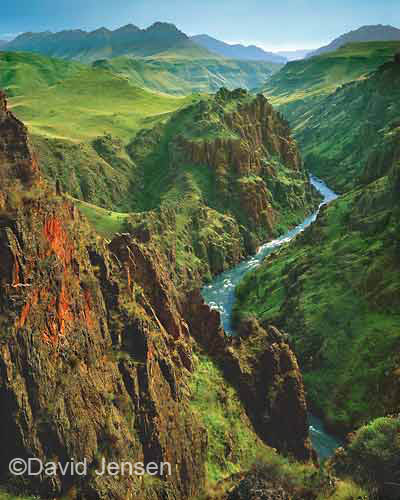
(272, 24)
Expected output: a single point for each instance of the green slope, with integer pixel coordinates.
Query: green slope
(308, 78)
(331, 102)
(73, 101)
(172, 74)
(335, 290)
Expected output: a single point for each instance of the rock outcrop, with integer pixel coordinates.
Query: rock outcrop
(229, 168)
(264, 369)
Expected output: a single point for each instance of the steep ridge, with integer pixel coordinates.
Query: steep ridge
(223, 174)
(96, 351)
(335, 290)
(341, 106)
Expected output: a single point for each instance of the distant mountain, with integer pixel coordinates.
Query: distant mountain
(294, 55)
(373, 33)
(102, 43)
(2, 43)
(237, 51)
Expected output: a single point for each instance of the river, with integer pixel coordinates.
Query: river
(220, 295)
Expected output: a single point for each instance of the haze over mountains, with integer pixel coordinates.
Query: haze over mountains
(160, 58)
(374, 33)
(294, 55)
(165, 40)
(237, 51)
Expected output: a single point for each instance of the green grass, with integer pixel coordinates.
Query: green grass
(232, 443)
(323, 74)
(175, 74)
(4, 495)
(67, 100)
(106, 222)
(234, 447)
(372, 456)
(342, 106)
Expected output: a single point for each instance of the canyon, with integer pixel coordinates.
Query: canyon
(118, 228)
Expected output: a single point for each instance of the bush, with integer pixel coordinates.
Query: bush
(373, 457)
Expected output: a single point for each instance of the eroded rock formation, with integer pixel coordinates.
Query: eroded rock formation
(264, 369)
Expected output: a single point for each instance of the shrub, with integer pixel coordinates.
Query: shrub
(373, 457)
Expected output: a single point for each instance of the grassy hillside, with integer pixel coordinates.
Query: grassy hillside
(175, 74)
(72, 101)
(85, 121)
(370, 33)
(81, 119)
(331, 102)
(308, 78)
(335, 290)
(349, 136)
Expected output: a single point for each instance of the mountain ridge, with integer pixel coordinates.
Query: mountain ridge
(104, 43)
(237, 51)
(368, 33)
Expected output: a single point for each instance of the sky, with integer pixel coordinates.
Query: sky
(271, 24)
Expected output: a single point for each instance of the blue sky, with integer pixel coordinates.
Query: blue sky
(272, 24)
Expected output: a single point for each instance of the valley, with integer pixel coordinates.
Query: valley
(179, 283)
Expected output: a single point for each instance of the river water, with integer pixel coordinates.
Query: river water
(220, 295)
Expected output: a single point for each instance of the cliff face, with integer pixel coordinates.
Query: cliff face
(96, 346)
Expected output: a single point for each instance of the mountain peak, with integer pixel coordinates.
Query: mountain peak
(128, 28)
(101, 31)
(163, 27)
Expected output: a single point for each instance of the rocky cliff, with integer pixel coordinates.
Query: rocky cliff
(96, 346)
(94, 352)
(229, 169)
